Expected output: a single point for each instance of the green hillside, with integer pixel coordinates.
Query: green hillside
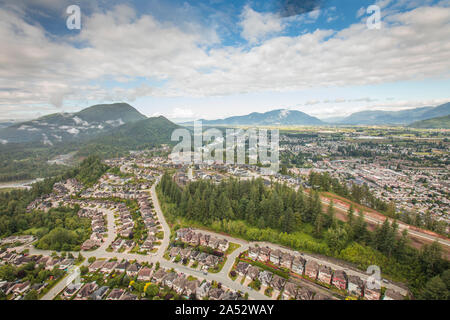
(434, 123)
(64, 127)
(142, 134)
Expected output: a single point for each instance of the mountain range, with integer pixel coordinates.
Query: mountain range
(285, 117)
(280, 117)
(404, 117)
(121, 125)
(64, 127)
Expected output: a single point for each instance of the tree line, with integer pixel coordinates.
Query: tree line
(280, 214)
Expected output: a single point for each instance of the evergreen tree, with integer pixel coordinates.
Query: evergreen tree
(331, 219)
(318, 225)
(351, 215)
(435, 289)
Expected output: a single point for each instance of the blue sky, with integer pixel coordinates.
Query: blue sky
(211, 59)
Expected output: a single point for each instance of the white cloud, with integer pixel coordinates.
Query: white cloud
(256, 26)
(38, 69)
(314, 14)
(361, 12)
(182, 113)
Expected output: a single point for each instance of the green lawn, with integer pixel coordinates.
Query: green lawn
(232, 246)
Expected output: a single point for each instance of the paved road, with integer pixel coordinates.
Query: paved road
(221, 277)
(166, 240)
(101, 252)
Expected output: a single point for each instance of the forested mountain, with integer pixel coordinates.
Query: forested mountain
(377, 117)
(145, 133)
(62, 127)
(28, 160)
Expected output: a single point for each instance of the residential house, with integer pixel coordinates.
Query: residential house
(213, 243)
(304, 294)
(202, 291)
(290, 291)
(174, 251)
(195, 239)
(71, 289)
(179, 284)
(87, 290)
(265, 277)
(145, 274)
(115, 294)
(392, 295)
(215, 293)
(147, 245)
(128, 245)
(99, 293)
(371, 293)
(340, 279)
(194, 254)
(241, 268)
(253, 253)
(51, 263)
(204, 239)
(21, 288)
(98, 264)
(133, 269)
(66, 263)
(211, 261)
(230, 295)
(277, 282)
(275, 256)
(202, 257)
(43, 260)
(311, 269)
(355, 286)
(264, 254)
(223, 245)
(159, 275)
(325, 274)
(252, 273)
(122, 266)
(89, 245)
(191, 287)
(185, 253)
(286, 260)
(128, 296)
(298, 265)
(108, 267)
(169, 278)
(38, 287)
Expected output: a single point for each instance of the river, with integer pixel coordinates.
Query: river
(23, 184)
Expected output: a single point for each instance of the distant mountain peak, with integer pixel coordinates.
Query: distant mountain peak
(278, 117)
(61, 127)
(403, 117)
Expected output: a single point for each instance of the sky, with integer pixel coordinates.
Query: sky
(212, 59)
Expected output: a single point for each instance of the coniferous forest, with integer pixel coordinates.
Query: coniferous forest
(279, 214)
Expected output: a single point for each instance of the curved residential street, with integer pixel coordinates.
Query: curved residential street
(101, 253)
(222, 276)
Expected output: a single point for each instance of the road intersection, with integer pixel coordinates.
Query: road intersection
(220, 277)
